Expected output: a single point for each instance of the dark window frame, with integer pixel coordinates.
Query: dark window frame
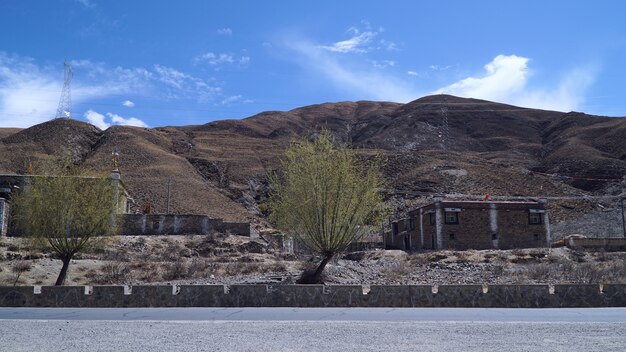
(411, 224)
(530, 222)
(432, 218)
(456, 216)
(395, 229)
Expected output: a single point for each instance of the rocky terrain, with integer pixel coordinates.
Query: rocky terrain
(223, 259)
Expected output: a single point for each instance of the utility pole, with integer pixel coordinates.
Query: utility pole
(623, 219)
(169, 190)
(65, 102)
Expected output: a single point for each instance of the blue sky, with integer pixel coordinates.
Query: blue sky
(157, 63)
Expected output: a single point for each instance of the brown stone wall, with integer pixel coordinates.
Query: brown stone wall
(473, 229)
(397, 240)
(476, 228)
(430, 231)
(485, 296)
(514, 229)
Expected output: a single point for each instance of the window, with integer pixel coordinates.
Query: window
(394, 228)
(411, 224)
(494, 236)
(534, 218)
(452, 217)
(536, 237)
(432, 218)
(452, 237)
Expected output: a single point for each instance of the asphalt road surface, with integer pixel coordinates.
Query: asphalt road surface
(317, 329)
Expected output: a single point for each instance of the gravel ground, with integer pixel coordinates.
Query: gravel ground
(58, 335)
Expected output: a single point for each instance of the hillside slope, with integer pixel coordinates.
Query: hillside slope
(220, 168)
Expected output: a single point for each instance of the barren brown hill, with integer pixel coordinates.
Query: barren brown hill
(219, 168)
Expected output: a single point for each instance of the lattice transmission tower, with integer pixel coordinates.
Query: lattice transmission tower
(65, 103)
(445, 132)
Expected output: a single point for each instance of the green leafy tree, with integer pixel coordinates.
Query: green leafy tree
(325, 198)
(66, 211)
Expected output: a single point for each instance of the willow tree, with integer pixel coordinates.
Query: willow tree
(66, 211)
(325, 198)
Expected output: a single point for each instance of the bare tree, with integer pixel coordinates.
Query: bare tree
(325, 198)
(67, 211)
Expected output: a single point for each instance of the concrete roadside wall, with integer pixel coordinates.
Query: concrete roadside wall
(494, 296)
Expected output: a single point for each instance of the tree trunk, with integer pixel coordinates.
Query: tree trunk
(309, 277)
(63, 273)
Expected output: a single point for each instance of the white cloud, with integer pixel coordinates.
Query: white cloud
(29, 92)
(506, 80)
(357, 44)
(412, 73)
(347, 75)
(244, 60)
(361, 41)
(179, 84)
(215, 59)
(388, 45)
(441, 68)
(504, 76)
(130, 121)
(96, 119)
(232, 99)
(225, 31)
(101, 122)
(128, 104)
(383, 64)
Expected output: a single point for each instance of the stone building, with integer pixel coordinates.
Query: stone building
(11, 184)
(460, 225)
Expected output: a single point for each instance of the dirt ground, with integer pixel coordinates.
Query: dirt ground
(227, 259)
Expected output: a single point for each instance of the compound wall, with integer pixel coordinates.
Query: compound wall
(161, 224)
(495, 296)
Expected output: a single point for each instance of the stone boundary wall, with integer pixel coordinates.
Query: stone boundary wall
(609, 244)
(471, 296)
(170, 224)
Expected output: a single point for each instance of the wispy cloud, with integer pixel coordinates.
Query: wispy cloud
(29, 92)
(221, 59)
(100, 121)
(506, 79)
(350, 76)
(236, 99)
(215, 59)
(412, 73)
(86, 3)
(130, 121)
(225, 31)
(128, 104)
(358, 43)
(361, 41)
(178, 83)
(441, 67)
(382, 64)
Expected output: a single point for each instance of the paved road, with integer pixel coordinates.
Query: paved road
(287, 329)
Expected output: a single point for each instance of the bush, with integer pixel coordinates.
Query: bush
(112, 273)
(176, 270)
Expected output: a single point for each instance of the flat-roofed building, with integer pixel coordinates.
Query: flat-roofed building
(449, 224)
